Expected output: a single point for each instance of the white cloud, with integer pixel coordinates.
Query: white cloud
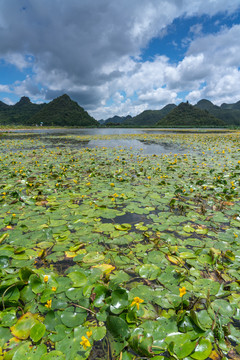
(91, 49)
(8, 101)
(4, 88)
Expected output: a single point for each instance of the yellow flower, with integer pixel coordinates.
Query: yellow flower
(182, 291)
(45, 279)
(88, 184)
(89, 333)
(137, 301)
(48, 304)
(112, 184)
(85, 342)
(149, 177)
(54, 288)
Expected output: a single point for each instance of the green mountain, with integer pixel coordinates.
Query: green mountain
(229, 113)
(186, 115)
(63, 111)
(18, 113)
(149, 117)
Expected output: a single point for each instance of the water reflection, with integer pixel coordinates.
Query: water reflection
(60, 137)
(145, 147)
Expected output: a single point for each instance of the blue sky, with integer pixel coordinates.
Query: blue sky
(120, 57)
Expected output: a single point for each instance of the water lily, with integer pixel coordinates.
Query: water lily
(182, 291)
(85, 342)
(89, 333)
(136, 301)
(49, 304)
(45, 279)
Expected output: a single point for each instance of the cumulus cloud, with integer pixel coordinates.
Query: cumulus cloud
(91, 49)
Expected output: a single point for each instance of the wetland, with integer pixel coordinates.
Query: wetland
(119, 244)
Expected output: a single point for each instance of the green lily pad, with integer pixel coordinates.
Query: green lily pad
(117, 327)
(73, 317)
(78, 278)
(149, 271)
(93, 257)
(181, 344)
(202, 350)
(119, 301)
(54, 355)
(37, 331)
(123, 227)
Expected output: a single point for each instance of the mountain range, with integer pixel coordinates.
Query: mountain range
(63, 111)
(204, 113)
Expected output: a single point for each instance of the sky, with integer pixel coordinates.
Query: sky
(120, 57)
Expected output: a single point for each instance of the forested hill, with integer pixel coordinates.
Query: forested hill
(229, 113)
(186, 115)
(149, 117)
(61, 111)
(19, 113)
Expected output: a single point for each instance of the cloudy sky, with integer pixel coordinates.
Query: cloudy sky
(120, 57)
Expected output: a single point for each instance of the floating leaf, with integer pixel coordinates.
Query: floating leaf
(93, 257)
(117, 327)
(105, 268)
(149, 271)
(22, 328)
(123, 227)
(202, 350)
(78, 278)
(119, 301)
(37, 331)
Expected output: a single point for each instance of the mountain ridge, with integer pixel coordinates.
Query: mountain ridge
(63, 111)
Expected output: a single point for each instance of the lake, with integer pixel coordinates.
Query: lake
(63, 138)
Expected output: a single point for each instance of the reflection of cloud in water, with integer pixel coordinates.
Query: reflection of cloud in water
(144, 147)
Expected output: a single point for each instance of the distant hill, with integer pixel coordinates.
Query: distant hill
(186, 115)
(117, 119)
(229, 113)
(235, 106)
(149, 117)
(63, 111)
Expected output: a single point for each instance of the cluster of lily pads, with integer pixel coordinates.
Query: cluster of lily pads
(109, 254)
